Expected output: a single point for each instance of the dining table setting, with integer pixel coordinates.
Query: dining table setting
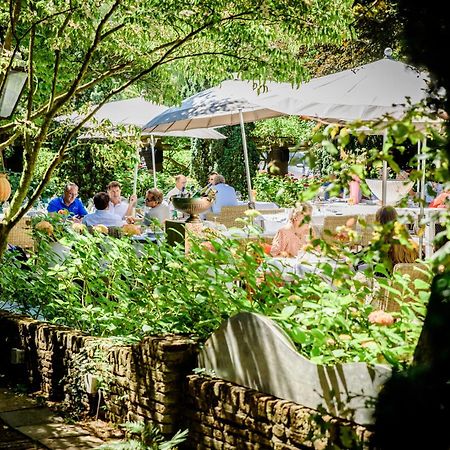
(271, 223)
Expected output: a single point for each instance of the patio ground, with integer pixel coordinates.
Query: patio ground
(26, 424)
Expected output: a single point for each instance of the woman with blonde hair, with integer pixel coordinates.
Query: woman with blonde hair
(295, 235)
(396, 252)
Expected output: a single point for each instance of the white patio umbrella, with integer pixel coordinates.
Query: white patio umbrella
(132, 112)
(364, 93)
(232, 102)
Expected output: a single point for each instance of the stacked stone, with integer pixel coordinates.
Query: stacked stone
(222, 415)
(148, 381)
(145, 381)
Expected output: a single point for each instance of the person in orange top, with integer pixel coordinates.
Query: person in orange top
(440, 201)
(295, 235)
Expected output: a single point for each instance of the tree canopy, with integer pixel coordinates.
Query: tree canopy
(77, 51)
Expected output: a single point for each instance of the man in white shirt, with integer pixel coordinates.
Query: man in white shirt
(102, 215)
(118, 205)
(155, 207)
(225, 194)
(180, 187)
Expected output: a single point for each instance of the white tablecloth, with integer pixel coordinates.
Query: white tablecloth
(272, 223)
(261, 205)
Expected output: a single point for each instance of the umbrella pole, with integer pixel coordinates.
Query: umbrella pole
(152, 145)
(251, 203)
(136, 167)
(422, 193)
(384, 176)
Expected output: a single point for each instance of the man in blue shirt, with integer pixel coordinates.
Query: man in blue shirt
(102, 214)
(225, 194)
(68, 201)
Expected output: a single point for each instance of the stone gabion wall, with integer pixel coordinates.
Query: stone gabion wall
(222, 415)
(145, 381)
(152, 381)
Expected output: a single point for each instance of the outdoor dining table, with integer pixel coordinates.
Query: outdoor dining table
(273, 222)
(261, 205)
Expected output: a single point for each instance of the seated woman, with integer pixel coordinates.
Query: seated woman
(441, 200)
(156, 207)
(295, 235)
(396, 252)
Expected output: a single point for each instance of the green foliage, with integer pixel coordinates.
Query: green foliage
(274, 131)
(286, 191)
(202, 162)
(107, 287)
(334, 326)
(226, 157)
(145, 436)
(93, 166)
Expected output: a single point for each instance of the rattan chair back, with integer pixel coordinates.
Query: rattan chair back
(228, 216)
(390, 301)
(366, 231)
(21, 234)
(330, 225)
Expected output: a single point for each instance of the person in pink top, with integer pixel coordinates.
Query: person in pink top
(441, 200)
(355, 190)
(295, 235)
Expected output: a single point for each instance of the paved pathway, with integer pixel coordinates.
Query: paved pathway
(26, 425)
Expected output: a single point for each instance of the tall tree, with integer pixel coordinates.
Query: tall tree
(413, 409)
(75, 48)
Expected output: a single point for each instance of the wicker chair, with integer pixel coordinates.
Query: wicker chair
(331, 223)
(21, 235)
(390, 301)
(267, 212)
(366, 232)
(228, 216)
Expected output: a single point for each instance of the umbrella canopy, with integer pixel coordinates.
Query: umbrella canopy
(232, 102)
(218, 106)
(132, 112)
(364, 93)
(202, 133)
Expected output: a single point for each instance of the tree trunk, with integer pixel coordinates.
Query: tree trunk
(4, 231)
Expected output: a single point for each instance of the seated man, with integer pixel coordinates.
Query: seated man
(155, 207)
(180, 187)
(117, 204)
(211, 177)
(102, 215)
(225, 194)
(68, 201)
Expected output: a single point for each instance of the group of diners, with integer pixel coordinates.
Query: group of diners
(297, 234)
(113, 210)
